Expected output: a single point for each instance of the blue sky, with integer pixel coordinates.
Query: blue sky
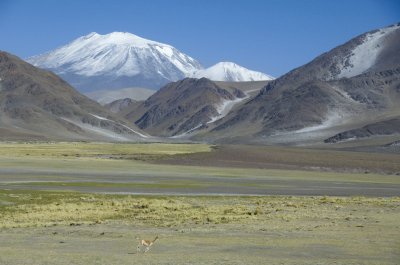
(270, 36)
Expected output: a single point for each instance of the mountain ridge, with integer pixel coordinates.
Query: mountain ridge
(311, 95)
(183, 107)
(40, 105)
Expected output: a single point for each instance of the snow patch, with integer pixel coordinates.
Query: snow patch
(100, 118)
(97, 130)
(332, 119)
(140, 134)
(225, 107)
(130, 129)
(167, 51)
(364, 55)
(228, 71)
(187, 133)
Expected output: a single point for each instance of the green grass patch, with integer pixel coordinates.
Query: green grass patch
(136, 151)
(157, 185)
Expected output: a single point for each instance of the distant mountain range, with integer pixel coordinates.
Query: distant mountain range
(108, 96)
(120, 60)
(349, 93)
(345, 89)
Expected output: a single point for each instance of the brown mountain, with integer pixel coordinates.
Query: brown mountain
(355, 84)
(183, 107)
(386, 127)
(37, 104)
(120, 105)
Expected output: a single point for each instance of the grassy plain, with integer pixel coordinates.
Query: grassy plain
(60, 204)
(298, 158)
(77, 228)
(100, 150)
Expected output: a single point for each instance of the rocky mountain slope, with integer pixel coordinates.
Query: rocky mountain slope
(182, 108)
(348, 87)
(37, 104)
(121, 104)
(386, 127)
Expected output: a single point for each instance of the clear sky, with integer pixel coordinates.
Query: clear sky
(272, 36)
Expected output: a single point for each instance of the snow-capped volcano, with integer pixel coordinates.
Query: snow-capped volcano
(116, 60)
(228, 71)
(121, 59)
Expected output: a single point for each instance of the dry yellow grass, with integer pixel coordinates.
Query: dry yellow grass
(26, 209)
(83, 149)
(75, 228)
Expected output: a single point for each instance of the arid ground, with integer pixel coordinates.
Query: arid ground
(85, 203)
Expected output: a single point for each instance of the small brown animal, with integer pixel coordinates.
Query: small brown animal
(145, 243)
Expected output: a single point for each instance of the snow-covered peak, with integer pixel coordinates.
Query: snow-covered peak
(117, 54)
(228, 71)
(121, 38)
(90, 35)
(122, 59)
(363, 56)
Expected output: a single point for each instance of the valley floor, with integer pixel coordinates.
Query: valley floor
(196, 170)
(84, 203)
(98, 229)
